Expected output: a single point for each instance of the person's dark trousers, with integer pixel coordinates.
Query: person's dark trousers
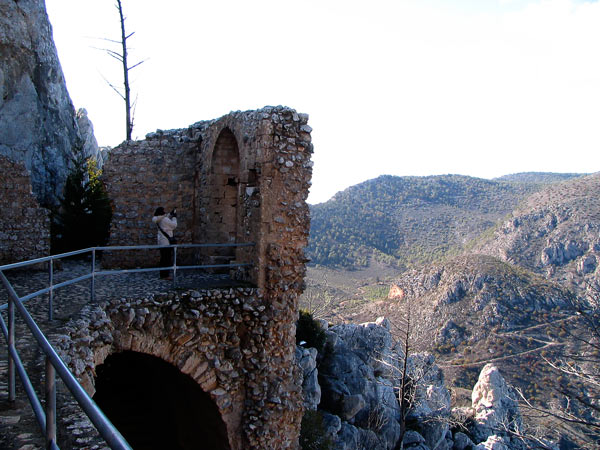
(166, 260)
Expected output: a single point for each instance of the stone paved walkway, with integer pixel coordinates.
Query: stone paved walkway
(18, 427)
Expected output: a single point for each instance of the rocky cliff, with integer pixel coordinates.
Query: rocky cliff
(38, 126)
(475, 309)
(554, 232)
(351, 393)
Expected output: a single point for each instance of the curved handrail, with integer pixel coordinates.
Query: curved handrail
(47, 419)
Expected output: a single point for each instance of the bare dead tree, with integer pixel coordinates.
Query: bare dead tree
(121, 56)
(406, 394)
(408, 378)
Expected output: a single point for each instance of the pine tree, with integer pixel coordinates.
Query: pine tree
(83, 219)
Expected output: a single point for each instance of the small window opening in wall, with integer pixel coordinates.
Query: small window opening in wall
(155, 406)
(252, 178)
(231, 181)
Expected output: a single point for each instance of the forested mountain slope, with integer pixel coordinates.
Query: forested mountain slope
(538, 177)
(410, 220)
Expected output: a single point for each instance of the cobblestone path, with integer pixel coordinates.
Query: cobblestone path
(18, 427)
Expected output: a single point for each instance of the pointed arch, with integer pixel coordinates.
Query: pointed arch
(223, 187)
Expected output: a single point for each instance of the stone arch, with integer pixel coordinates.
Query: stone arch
(157, 406)
(223, 189)
(146, 327)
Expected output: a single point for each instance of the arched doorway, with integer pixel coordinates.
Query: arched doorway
(155, 406)
(223, 186)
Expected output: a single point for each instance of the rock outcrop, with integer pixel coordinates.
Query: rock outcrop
(89, 145)
(359, 378)
(494, 403)
(358, 375)
(37, 119)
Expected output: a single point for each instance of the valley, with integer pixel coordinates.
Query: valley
(489, 284)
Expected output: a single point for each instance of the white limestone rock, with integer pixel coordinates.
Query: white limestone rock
(494, 403)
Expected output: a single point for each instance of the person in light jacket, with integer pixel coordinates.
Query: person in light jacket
(166, 223)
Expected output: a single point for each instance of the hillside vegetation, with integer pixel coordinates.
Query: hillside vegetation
(404, 221)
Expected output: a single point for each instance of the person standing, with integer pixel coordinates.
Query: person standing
(166, 223)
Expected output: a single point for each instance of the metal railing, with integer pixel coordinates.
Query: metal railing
(46, 416)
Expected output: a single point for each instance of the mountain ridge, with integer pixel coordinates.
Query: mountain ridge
(411, 220)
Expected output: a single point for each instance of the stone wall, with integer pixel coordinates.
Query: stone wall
(241, 178)
(24, 225)
(223, 339)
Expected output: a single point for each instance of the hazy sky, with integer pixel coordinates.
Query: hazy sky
(402, 87)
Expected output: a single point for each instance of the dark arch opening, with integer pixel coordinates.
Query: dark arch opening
(223, 193)
(155, 406)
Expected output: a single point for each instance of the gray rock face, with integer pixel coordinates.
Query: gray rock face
(414, 440)
(559, 253)
(493, 443)
(356, 385)
(306, 359)
(89, 145)
(37, 118)
(360, 407)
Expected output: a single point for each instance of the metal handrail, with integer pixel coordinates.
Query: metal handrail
(47, 417)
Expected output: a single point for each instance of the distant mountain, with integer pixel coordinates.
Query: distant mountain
(411, 220)
(554, 232)
(538, 177)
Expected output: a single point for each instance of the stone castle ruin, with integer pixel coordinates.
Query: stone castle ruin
(241, 178)
(222, 358)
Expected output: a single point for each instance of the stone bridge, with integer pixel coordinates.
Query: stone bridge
(203, 366)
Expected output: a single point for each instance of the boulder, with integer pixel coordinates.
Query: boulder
(354, 387)
(462, 441)
(331, 426)
(414, 441)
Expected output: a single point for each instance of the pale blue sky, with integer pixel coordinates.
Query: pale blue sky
(419, 87)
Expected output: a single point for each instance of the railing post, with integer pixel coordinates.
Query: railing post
(93, 279)
(175, 266)
(51, 292)
(11, 347)
(50, 403)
